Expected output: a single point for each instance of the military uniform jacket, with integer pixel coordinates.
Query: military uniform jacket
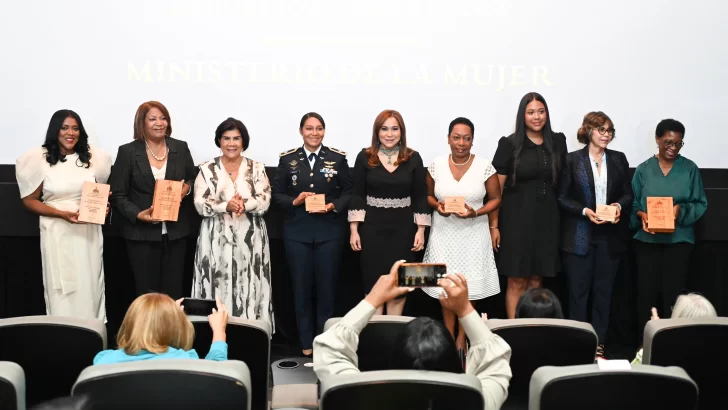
(330, 176)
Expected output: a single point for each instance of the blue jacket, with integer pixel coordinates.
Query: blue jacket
(330, 176)
(218, 352)
(576, 192)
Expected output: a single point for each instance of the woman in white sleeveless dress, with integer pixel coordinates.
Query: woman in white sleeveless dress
(462, 241)
(50, 179)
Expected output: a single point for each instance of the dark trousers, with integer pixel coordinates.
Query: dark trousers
(158, 266)
(661, 273)
(313, 267)
(592, 274)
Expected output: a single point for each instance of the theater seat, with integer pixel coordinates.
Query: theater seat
(52, 351)
(12, 386)
(696, 345)
(588, 387)
(401, 389)
(542, 342)
(376, 340)
(177, 384)
(249, 342)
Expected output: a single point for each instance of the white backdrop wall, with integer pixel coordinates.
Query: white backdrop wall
(269, 62)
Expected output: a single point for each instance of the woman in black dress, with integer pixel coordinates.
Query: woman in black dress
(391, 195)
(527, 225)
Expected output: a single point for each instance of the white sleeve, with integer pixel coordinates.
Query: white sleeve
(101, 164)
(488, 359)
(334, 351)
(30, 171)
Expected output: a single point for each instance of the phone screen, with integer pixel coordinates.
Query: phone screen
(198, 307)
(420, 274)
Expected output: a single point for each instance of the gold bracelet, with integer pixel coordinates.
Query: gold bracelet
(493, 227)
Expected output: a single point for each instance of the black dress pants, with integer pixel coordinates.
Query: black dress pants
(158, 266)
(313, 267)
(662, 270)
(592, 274)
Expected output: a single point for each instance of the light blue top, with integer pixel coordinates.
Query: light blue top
(218, 352)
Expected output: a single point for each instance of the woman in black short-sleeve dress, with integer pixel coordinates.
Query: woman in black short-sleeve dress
(525, 231)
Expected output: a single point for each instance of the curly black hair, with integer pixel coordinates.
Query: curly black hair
(51, 141)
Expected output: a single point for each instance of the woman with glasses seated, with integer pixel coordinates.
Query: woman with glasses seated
(662, 258)
(592, 246)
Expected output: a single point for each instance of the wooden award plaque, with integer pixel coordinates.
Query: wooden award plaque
(660, 215)
(455, 204)
(94, 198)
(167, 198)
(607, 213)
(316, 203)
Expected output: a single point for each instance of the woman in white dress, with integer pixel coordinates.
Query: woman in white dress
(50, 179)
(462, 240)
(232, 263)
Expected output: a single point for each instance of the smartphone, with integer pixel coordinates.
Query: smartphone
(198, 307)
(420, 275)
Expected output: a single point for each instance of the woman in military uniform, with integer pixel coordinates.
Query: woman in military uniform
(313, 240)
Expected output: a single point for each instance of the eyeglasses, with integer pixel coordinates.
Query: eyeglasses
(604, 131)
(670, 144)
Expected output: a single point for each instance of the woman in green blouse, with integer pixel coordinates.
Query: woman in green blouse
(663, 258)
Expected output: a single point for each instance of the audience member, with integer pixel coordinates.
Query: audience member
(156, 327)
(686, 306)
(539, 303)
(424, 344)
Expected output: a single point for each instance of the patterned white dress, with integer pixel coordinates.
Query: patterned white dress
(232, 261)
(72, 254)
(463, 244)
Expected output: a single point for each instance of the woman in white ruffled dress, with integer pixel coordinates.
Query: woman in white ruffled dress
(50, 179)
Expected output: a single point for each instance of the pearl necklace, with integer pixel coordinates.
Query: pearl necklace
(464, 163)
(152, 152)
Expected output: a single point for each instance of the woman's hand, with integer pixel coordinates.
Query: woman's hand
(185, 189)
(676, 211)
(355, 241)
(68, 216)
(495, 238)
(593, 216)
(219, 318)
(386, 288)
(455, 286)
(619, 213)
(655, 316)
(301, 198)
(469, 212)
(329, 208)
(643, 216)
(441, 209)
(419, 240)
(146, 216)
(236, 205)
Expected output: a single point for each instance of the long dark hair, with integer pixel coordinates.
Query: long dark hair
(425, 344)
(51, 141)
(519, 137)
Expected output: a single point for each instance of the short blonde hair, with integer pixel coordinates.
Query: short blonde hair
(693, 305)
(154, 323)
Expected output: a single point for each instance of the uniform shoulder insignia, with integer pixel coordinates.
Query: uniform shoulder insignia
(290, 151)
(337, 151)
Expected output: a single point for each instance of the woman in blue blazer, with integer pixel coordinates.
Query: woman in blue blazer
(593, 175)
